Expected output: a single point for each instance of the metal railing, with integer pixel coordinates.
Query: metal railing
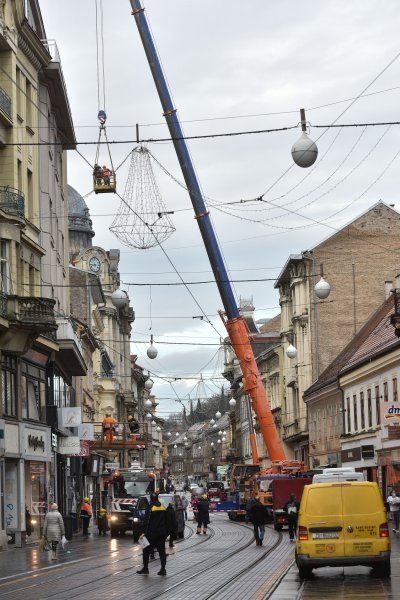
(5, 104)
(12, 201)
(121, 435)
(52, 49)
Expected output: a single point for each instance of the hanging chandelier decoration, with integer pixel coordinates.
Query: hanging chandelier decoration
(142, 220)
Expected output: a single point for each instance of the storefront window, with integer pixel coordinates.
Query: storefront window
(63, 393)
(35, 498)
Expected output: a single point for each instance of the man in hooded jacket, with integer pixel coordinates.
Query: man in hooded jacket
(156, 531)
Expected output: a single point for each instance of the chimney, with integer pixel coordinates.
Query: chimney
(388, 289)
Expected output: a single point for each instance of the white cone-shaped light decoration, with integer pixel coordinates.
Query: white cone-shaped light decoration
(148, 384)
(291, 351)
(212, 444)
(212, 421)
(119, 298)
(177, 433)
(186, 443)
(168, 434)
(218, 415)
(158, 428)
(304, 151)
(184, 438)
(175, 446)
(322, 289)
(232, 402)
(148, 403)
(153, 423)
(149, 416)
(215, 426)
(199, 448)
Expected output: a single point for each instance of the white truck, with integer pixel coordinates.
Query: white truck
(338, 474)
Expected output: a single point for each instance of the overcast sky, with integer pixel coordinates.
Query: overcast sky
(232, 67)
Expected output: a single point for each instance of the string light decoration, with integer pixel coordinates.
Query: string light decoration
(142, 220)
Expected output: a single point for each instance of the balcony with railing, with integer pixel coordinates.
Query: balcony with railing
(12, 201)
(33, 312)
(5, 106)
(71, 348)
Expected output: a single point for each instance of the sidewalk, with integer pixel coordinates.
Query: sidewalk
(335, 582)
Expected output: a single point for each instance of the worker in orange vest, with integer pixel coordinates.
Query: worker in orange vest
(86, 515)
(109, 427)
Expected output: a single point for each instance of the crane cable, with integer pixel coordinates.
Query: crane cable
(101, 79)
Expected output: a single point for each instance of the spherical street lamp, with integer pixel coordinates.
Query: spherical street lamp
(212, 421)
(184, 438)
(177, 433)
(304, 151)
(218, 415)
(175, 446)
(322, 289)
(212, 444)
(215, 426)
(220, 432)
(168, 434)
(291, 351)
(149, 416)
(148, 403)
(158, 428)
(119, 298)
(148, 384)
(232, 402)
(153, 423)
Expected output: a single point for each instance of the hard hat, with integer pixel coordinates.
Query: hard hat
(86, 499)
(130, 417)
(204, 496)
(102, 510)
(104, 167)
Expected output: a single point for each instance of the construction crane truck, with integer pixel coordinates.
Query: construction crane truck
(234, 322)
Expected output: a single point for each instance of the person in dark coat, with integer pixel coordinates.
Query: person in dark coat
(171, 524)
(156, 532)
(292, 509)
(180, 517)
(203, 514)
(258, 516)
(249, 505)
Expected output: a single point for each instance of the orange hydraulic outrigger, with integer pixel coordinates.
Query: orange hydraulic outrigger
(235, 324)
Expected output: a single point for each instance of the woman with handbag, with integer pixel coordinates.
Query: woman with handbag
(53, 529)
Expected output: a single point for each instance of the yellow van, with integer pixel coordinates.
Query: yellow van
(342, 524)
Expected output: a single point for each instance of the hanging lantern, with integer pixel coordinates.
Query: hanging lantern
(175, 446)
(220, 432)
(212, 421)
(186, 443)
(199, 448)
(168, 434)
(219, 441)
(218, 415)
(291, 351)
(149, 416)
(322, 289)
(152, 350)
(158, 428)
(153, 423)
(148, 403)
(232, 402)
(215, 426)
(184, 438)
(212, 444)
(177, 433)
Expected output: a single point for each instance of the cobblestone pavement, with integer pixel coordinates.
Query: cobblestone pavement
(341, 583)
(224, 564)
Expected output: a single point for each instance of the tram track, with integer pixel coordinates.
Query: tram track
(96, 557)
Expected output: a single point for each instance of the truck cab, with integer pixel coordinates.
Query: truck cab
(124, 490)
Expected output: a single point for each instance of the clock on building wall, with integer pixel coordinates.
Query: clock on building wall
(95, 264)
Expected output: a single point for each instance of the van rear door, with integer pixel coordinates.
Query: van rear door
(324, 518)
(363, 513)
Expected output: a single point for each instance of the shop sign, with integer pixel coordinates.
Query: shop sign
(69, 446)
(70, 417)
(86, 431)
(36, 442)
(54, 440)
(111, 466)
(390, 412)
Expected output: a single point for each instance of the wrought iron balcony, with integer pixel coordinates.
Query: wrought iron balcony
(5, 104)
(12, 201)
(36, 313)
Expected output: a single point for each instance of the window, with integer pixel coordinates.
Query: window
(348, 415)
(29, 101)
(33, 392)
(355, 413)
(394, 380)
(385, 392)
(362, 410)
(4, 267)
(8, 385)
(377, 405)
(369, 405)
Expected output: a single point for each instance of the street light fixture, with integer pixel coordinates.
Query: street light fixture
(322, 289)
(218, 415)
(232, 402)
(212, 421)
(119, 298)
(304, 151)
(148, 403)
(152, 350)
(291, 351)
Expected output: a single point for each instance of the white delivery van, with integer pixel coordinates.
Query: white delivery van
(338, 474)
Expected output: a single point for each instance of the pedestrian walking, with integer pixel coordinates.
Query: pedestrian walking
(258, 516)
(394, 508)
(292, 509)
(156, 531)
(249, 504)
(53, 529)
(185, 504)
(86, 515)
(179, 515)
(171, 524)
(203, 514)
